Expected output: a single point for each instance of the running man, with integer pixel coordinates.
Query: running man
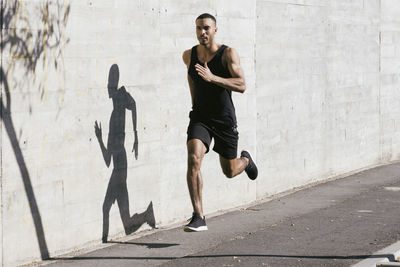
(214, 71)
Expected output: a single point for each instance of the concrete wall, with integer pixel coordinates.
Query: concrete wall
(322, 100)
(328, 81)
(389, 66)
(318, 79)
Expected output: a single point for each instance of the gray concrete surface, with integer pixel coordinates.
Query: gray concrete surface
(338, 223)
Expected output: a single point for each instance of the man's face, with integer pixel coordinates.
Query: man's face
(205, 30)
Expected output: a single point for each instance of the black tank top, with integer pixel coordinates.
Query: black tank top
(212, 103)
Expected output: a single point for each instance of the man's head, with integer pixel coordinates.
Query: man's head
(206, 28)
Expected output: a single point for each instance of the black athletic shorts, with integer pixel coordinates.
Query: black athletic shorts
(225, 141)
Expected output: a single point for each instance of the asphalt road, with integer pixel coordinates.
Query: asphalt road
(338, 223)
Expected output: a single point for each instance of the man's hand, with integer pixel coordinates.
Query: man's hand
(205, 72)
(97, 129)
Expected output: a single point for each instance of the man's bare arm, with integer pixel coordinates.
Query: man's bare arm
(236, 83)
(186, 59)
(191, 86)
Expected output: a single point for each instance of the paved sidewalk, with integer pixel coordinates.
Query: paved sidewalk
(338, 223)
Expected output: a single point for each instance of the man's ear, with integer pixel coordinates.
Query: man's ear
(216, 29)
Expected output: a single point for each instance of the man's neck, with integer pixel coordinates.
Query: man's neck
(210, 48)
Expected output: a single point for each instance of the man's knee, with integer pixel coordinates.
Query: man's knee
(196, 151)
(227, 166)
(194, 161)
(228, 171)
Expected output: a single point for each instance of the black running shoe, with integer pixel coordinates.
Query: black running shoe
(196, 224)
(251, 168)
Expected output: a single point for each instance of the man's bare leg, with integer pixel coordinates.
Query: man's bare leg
(233, 167)
(196, 151)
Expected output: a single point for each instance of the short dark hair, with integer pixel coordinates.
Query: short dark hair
(207, 16)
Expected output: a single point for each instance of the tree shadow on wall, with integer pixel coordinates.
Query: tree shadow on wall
(28, 46)
(117, 187)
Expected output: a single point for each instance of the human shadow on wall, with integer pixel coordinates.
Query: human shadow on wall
(117, 186)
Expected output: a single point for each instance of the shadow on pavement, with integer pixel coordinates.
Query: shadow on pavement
(350, 257)
(148, 245)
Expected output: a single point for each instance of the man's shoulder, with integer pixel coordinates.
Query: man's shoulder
(229, 51)
(187, 52)
(230, 54)
(186, 56)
